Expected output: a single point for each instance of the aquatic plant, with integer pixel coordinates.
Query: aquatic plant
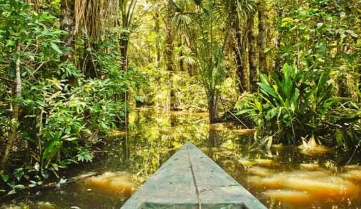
(295, 104)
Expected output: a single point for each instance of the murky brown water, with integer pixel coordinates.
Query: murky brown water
(282, 177)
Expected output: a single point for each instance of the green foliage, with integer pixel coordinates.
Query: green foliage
(84, 155)
(60, 121)
(210, 53)
(322, 35)
(294, 104)
(66, 108)
(190, 94)
(28, 36)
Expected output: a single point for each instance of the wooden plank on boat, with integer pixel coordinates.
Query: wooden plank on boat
(190, 179)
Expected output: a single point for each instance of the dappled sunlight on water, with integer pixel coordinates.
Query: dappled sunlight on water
(300, 181)
(316, 185)
(282, 177)
(113, 183)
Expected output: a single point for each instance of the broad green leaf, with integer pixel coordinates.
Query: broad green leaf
(352, 33)
(244, 111)
(264, 79)
(286, 21)
(55, 166)
(3, 61)
(18, 173)
(19, 186)
(67, 130)
(12, 192)
(10, 43)
(339, 136)
(271, 92)
(5, 177)
(51, 149)
(273, 112)
(319, 25)
(56, 48)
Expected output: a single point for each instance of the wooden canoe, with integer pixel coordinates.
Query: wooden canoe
(190, 179)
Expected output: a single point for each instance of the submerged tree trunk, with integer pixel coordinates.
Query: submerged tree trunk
(15, 113)
(213, 100)
(252, 50)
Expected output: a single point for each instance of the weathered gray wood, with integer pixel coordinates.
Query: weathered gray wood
(173, 186)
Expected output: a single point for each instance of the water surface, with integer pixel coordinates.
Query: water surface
(282, 177)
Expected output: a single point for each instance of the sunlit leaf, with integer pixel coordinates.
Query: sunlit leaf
(37, 166)
(352, 33)
(19, 186)
(56, 48)
(10, 43)
(12, 192)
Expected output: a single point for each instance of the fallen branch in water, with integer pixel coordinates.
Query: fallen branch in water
(54, 184)
(71, 180)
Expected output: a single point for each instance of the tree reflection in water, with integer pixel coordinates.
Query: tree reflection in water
(154, 136)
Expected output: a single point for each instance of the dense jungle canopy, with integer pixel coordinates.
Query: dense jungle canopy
(71, 70)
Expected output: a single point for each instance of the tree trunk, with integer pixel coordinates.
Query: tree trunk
(67, 23)
(15, 114)
(237, 48)
(213, 99)
(157, 45)
(262, 37)
(181, 62)
(34, 4)
(169, 52)
(124, 42)
(252, 53)
(127, 11)
(245, 61)
(278, 61)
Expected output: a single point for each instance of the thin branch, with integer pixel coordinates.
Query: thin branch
(6, 79)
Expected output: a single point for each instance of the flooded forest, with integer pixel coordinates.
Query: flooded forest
(96, 95)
